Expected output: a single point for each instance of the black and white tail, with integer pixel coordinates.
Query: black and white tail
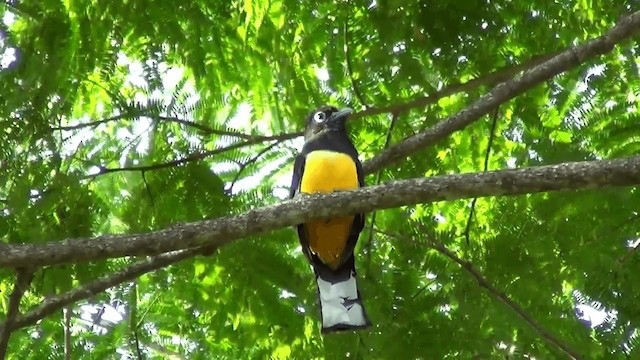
(340, 305)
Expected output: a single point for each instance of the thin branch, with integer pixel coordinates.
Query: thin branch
(347, 41)
(492, 134)
(93, 124)
(490, 79)
(372, 222)
(504, 298)
(146, 186)
(206, 129)
(251, 161)
(133, 310)
(203, 128)
(68, 346)
(18, 8)
(192, 157)
(166, 353)
(54, 303)
(223, 230)
(23, 280)
(504, 92)
(423, 289)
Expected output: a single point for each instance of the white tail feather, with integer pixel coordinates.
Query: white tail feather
(340, 304)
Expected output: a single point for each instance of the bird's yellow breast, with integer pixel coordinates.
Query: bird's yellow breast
(326, 171)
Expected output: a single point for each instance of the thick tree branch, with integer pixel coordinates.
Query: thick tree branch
(54, 303)
(220, 231)
(505, 299)
(22, 282)
(504, 92)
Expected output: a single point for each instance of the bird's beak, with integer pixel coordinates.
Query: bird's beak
(341, 115)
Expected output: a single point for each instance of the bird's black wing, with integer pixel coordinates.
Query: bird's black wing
(358, 222)
(296, 179)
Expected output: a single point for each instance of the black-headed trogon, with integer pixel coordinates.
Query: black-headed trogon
(329, 162)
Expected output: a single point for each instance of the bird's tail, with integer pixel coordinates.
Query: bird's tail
(340, 304)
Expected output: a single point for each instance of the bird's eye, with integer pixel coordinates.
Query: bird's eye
(319, 117)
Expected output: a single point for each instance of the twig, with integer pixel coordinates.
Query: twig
(206, 129)
(571, 176)
(97, 319)
(192, 157)
(68, 347)
(494, 121)
(146, 185)
(422, 289)
(136, 114)
(504, 298)
(23, 280)
(504, 92)
(133, 310)
(54, 303)
(166, 353)
(347, 41)
(245, 164)
(94, 123)
(18, 8)
(372, 222)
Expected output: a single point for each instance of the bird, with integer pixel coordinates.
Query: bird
(328, 162)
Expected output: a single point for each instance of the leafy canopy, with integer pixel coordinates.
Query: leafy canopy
(128, 116)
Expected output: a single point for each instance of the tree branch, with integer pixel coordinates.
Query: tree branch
(195, 156)
(133, 320)
(505, 299)
(93, 123)
(354, 87)
(504, 92)
(68, 346)
(54, 303)
(492, 133)
(223, 230)
(203, 128)
(490, 79)
(206, 129)
(250, 161)
(166, 353)
(22, 282)
(372, 222)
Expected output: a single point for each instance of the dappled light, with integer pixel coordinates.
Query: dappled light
(147, 152)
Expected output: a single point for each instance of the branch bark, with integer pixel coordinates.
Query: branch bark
(504, 92)
(220, 231)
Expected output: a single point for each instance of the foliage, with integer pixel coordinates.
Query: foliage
(107, 105)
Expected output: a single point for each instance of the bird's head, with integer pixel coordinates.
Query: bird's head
(325, 119)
